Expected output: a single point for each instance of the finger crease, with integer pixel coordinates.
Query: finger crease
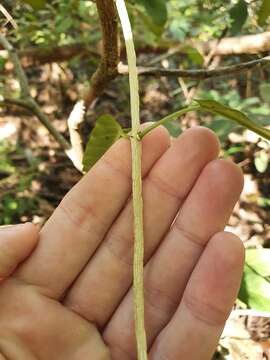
(155, 297)
(204, 312)
(126, 175)
(165, 188)
(191, 237)
(125, 259)
(81, 218)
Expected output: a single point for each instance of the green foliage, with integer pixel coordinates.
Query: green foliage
(194, 55)
(15, 182)
(255, 287)
(156, 11)
(13, 207)
(238, 14)
(36, 4)
(6, 166)
(264, 89)
(264, 12)
(58, 22)
(222, 127)
(106, 131)
(235, 115)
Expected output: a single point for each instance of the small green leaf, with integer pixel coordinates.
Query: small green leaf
(264, 12)
(235, 115)
(222, 128)
(255, 287)
(261, 161)
(194, 55)
(238, 14)
(2, 63)
(156, 10)
(106, 131)
(36, 4)
(63, 24)
(259, 260)
(264, 89)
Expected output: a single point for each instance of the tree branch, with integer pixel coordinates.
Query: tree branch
(200, 74)
(17, 65)
(30, 105)
(238, 45)
(107, 69)
(26, 101)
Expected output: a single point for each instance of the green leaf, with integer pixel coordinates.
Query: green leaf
(255, 287)
(194, 55)
(36, 4)
(63, 24)
(156, 10)
(259, 260)
(261, 161)
(238, 14)
(222, 128)
(264, 89)
(106, 131)
(264, 12)
(235, 115)
(2, 63)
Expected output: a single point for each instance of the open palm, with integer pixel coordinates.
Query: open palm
(71, 298)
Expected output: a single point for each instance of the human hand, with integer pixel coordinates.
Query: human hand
(72, 299)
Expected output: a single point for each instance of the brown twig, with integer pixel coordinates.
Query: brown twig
(245, 44)
(208, 62)
(107, 69)
(201, 74)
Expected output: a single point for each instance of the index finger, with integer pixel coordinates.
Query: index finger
(79, 224)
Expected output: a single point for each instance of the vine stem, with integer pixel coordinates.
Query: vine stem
(168, 118)
(136, 148)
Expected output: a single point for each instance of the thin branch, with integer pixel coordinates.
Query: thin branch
(26, 99)
(245, 44)
(17, 65)
(30, 105)
(107, 69)
(208, 62)
(200, 74)
(8, 16)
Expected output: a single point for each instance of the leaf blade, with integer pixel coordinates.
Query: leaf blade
(238, 14)
(264, 12)
(156, 10)
(36, 4)
(219, 109)
(106, 131)
(255, 286)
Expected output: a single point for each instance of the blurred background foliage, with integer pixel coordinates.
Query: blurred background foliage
(59, 44)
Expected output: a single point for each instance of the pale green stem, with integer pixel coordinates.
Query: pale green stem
(136, 184)
(168, 118)
(260, 130)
